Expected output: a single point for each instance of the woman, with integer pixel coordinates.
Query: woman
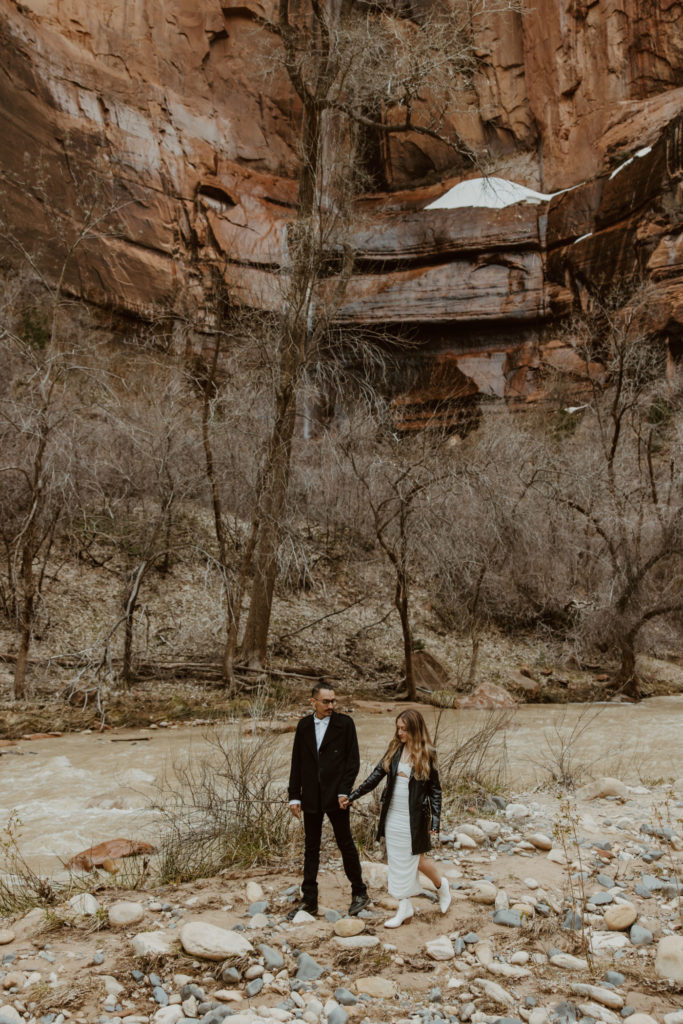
(410, 812)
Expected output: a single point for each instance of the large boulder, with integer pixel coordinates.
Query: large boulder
(209, 942)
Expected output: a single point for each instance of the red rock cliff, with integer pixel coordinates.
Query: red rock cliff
(171, 102)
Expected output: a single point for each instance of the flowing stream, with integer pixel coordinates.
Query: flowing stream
(71, 792)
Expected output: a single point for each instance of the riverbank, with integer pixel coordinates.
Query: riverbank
(564, 909)
(521, 671)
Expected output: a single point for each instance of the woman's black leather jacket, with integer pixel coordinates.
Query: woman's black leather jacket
(424, 801)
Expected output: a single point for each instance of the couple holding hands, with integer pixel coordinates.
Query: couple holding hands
(325, 762)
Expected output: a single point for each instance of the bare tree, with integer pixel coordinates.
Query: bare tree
(402, 483)
(356, 70)
(51, 362)
(145, 474)
(620, 475)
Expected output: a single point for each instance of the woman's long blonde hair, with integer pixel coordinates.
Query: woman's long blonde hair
(419, 744)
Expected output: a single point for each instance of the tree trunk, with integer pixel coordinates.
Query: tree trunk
(129, 612)
(296, 325)
(276, 484)
(27, 616)
(401, 602)
(627, 681)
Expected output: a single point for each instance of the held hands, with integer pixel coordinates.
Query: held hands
(344, 802)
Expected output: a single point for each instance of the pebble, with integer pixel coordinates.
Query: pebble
(347, 926)
(207, 941)
(254, 892)
(346, 998)
(605, 996)
(84, 904)
(540, 841)
(6, 936)
(440, 948)
(513, 811)
(153, 944)
(124, 913)
(254, 987)
(483, 892)
(307, 968)
(669, 959)
(356, 941)
(568, 962)
(466, 842)
(273, 960)
(620, 916)
(259, 907)
(509, 918)
(474, 832)
(640, 936)
(376, 987)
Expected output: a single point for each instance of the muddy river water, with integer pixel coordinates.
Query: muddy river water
(73, 791)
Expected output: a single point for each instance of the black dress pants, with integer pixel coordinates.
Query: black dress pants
(313, 826)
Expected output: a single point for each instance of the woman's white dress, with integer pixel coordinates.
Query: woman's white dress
(402, 862)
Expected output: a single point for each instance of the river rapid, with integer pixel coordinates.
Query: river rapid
(71, 792)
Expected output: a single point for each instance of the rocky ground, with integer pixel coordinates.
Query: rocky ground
(564, 911)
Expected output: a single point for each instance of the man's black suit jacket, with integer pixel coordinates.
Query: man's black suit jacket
(317, 778)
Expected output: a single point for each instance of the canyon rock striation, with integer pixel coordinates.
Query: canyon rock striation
(184, 110)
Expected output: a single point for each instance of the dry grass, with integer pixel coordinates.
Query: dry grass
(223, 808)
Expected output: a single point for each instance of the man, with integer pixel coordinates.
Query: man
(325, 762)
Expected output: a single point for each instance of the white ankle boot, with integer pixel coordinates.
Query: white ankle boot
(404, 913)
(445, 895)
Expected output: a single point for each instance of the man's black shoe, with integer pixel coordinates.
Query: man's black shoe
(357, 904)
(310, 908)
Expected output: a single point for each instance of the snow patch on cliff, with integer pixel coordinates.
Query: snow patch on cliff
(494, 193)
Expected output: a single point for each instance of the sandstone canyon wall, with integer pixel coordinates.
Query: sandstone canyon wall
(179, 105)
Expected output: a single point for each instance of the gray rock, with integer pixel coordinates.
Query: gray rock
(155, 980)
(564, 1013)
(254, 987)
(332, 916)
(217, 1015)
(259, 907)
(471, 938)
(337, 1016)
(614, 978)
(273, 960)
(344, 997)
(160, 995)
(572, 921)
(459, 945)
(308, 969)
(230, 975)
(651, 882)
(509, 918)
(601, 899)
(643, 892)
(606, 881)
(435, 995)
(640, 936)
(628, 1011)
(194, 990)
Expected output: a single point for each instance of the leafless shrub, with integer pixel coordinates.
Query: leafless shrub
(563, 759)
(225, 808)
(472, 761)
(21, 887)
